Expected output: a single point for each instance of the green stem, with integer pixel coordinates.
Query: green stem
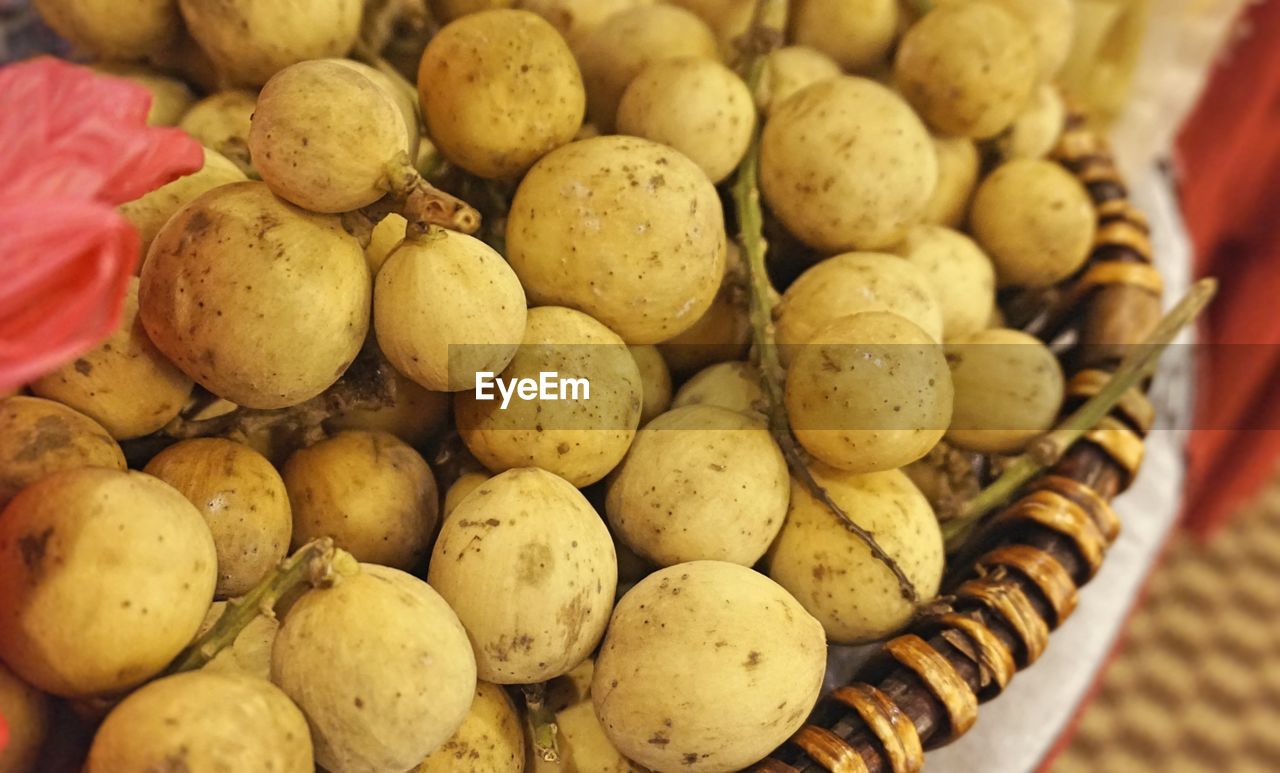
(314, 562)
(542, 722)
(767, 33)
(1047, 450)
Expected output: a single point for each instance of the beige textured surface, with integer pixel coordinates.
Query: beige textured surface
(1196, 685)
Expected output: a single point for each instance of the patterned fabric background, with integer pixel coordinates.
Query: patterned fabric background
(1196, 686)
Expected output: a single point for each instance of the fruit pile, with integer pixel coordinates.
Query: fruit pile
(274, 523)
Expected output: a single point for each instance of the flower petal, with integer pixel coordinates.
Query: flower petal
(68, 131)
(65, 266)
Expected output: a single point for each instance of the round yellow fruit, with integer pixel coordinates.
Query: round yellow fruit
(852, 283)
(857, 34)
(495, 109)
(788, 70)
(655, 381)
(221, 121)
(204, 721)
(733, 385)
(326, 135)
(617, 51)
(695, 105)
(529, 567)
(380, 666)
(39, 437)
(170, 97)
(624, 229)
(968, 69)
(150, 212)
(845, 164)
(960, 273)
(580, 437)
(250, 41)
(833, 573)
(126, 384)
(958, 167)
(241, 497)
(237, 279)
(1036, 130)
(700, 483)
(747, 657)
(110, 30)
(870, 392)
(1009, 389)
(369, 491)
(491, 738)
(464, 485)
(104, 578)
(447, 307)
(1035, 220)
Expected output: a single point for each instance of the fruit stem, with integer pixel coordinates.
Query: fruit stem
(425, 205)
(1048, 449)
(768, 31)
(318, 563)
(542, 722)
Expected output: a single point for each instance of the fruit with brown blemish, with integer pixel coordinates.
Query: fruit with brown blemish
(491, 738)
(125, 384)
(39, 437)
(846, 164)
(1035, 220)
(852, 283)
(250, 41)
(237, 278)
(530, 569)
(104, 577)
(326, 136)
(967, 68)
(1009, 389)
(446, 307)
(616, 51)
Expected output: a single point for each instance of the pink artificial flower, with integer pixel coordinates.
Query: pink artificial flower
(73, 145)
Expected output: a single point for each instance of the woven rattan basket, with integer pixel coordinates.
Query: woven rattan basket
(923, 689)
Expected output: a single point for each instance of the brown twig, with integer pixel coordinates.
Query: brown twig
(767, 33)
